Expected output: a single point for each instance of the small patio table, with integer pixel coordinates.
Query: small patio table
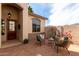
(50, 41)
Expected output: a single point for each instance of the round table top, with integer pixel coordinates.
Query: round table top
(51, 39)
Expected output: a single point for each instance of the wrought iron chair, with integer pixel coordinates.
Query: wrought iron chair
(51, 38)
(63, 45)
(40, 38)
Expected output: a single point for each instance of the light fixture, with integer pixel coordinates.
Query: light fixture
(9, 15)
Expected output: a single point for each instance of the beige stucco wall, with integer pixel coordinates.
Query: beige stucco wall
(0, 25)
(74, 31)
(42, 25)
(6, 9)
(25, 20)
(30, 23)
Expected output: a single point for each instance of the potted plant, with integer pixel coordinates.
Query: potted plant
(25, 41)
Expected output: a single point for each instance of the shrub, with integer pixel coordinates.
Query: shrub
(25, 41)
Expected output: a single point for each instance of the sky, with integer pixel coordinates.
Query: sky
(58, 13)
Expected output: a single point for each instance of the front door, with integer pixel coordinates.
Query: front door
(11, 30)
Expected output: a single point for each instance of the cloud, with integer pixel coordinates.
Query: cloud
(64, 13)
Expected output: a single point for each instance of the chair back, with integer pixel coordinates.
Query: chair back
(38, 37)
(65, 42)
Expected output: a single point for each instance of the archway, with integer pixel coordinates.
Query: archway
(13, 20)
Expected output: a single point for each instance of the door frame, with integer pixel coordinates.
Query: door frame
(7, 27)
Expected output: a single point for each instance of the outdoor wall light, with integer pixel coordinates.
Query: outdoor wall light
(9, 15)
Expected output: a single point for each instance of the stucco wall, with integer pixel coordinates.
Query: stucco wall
(6, 9)
(0, 25)
(25, 26)
(75, 32)
(42, 25)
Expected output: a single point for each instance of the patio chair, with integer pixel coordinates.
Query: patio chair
(51, 41)
(38, 38)
(42, 36)
(63, 45)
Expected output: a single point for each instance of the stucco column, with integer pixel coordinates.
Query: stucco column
(0, 25)
(25, 21)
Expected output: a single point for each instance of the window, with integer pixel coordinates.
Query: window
(11, 26)
(35, 25)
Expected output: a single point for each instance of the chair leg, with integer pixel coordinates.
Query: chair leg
(68, 51)
(54, 45)
(57, 49)
(40, 43)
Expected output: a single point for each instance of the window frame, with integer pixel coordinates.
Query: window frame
(36, 25)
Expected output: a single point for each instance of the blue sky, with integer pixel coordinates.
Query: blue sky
(58, 13)
(41, 9)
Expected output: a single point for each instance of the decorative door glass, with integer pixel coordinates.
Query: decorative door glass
(11, 26)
